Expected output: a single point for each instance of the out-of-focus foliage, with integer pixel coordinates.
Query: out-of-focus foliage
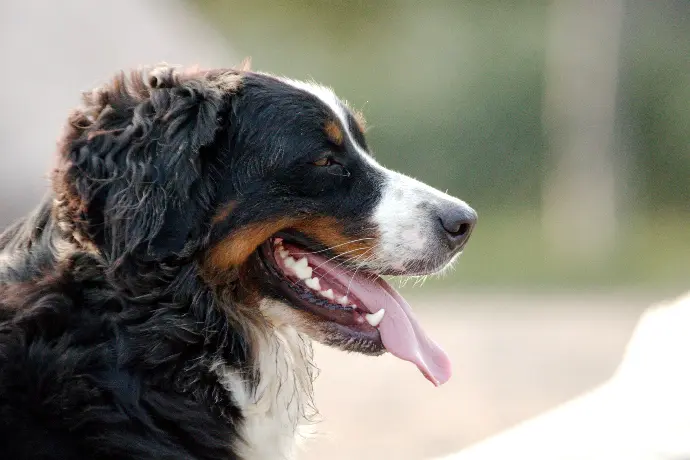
(655, 103)
(453, 92)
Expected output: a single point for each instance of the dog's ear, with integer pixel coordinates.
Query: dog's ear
(136, 166)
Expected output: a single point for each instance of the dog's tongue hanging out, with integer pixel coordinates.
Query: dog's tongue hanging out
(401, 333)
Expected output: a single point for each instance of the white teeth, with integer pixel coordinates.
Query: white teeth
(302, 269)
(313, 283)
(375, 318)
(328, 294)
(290, 262)
(302, 262)
(303, 273)
(343, 300)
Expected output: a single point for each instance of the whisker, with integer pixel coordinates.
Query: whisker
(349, 285)
(344, 261)
(333, 247)
(335, 257)
(294, 283)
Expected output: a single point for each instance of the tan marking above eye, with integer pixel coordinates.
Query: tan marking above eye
(334, 132)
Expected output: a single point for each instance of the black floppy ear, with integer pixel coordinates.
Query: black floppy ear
(138, 159)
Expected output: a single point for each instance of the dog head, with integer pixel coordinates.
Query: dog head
(264, 182)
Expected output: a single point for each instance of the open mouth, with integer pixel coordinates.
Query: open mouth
(360, 304)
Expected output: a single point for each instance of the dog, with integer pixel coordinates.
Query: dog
(203, 227)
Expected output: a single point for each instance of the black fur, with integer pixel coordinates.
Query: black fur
(109, 323)
(88, 373)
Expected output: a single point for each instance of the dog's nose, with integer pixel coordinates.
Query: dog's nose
(457, 222)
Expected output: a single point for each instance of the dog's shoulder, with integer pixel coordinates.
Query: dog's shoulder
(78, 361)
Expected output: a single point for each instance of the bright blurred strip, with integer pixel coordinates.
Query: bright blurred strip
(642, 413)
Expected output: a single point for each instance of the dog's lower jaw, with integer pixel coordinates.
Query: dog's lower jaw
(277, 406)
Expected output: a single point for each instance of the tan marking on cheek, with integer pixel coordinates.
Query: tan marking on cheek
(329, 232)
(235, 249)
(238, 246)
(224, 212)
(334, 133)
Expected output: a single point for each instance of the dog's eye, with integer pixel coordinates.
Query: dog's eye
(325, 161)
(331, 166)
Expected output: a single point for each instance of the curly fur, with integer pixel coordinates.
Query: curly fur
(111, 342)
(140, 317)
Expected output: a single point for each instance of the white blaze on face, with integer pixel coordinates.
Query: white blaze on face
(407, 219)
(407, 214)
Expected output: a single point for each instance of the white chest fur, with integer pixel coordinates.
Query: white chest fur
(281, 402)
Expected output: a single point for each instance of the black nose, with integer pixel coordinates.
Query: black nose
(457, 222)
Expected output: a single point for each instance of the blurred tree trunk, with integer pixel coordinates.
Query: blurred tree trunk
(580, 197)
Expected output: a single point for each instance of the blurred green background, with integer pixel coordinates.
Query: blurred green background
(457, 94)
(565, 123)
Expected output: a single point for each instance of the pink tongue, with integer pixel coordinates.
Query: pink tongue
(400, 331)
(403, 336)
